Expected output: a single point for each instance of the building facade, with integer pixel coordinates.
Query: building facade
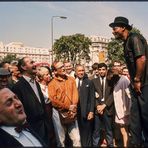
(18, 48)
(98, 49)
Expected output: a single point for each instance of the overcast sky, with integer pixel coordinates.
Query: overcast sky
(30, 22)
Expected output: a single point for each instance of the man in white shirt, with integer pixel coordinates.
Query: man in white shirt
(12, 119)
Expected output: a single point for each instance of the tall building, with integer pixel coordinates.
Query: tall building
(18, 48)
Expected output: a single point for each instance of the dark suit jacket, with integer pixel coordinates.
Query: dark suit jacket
(86, 97)
(108, 98)
(36, 115)
(6, 140)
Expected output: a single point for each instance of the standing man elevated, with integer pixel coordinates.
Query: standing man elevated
(136, 56)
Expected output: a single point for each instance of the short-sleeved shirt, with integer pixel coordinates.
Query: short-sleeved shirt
(136, 46)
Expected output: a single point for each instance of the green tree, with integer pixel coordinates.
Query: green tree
(115, 48)
(9, 58)
(72, 48)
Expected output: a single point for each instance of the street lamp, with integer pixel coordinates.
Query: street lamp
(62, 17)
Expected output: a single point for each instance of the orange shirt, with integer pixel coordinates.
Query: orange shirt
(63, 92)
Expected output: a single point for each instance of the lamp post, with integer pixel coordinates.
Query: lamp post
(62, 17)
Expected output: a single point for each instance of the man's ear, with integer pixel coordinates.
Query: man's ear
(23, 67)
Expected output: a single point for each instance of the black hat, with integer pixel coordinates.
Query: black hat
(121, 21)
(4, 72)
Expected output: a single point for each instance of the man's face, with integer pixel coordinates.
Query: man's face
(80, 72)
(14, 70)
(96, 72)
(125, 72)
(118, 67)
(68, 67)
(30, 66)
(11, 109)
(3, 81)
(61, 70)
(102, 71)
(118, 32)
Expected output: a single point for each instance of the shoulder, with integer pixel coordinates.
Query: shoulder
(70, 78)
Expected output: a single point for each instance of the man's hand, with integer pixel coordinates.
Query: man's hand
(100, 108)
(90, 116)
(73, 108)
(137, 86)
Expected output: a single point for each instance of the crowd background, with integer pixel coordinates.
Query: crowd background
(102, 109)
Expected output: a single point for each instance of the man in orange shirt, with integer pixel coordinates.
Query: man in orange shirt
(63, 94)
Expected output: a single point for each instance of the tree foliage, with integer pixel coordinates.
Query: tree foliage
(72, 48)
(9, 57)
(115, 48)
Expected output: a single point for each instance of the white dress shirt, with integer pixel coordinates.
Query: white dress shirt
(44, 89)
(24, 137)
(77, 81)
(33, 85)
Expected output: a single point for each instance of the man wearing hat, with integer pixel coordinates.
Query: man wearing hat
(136, 56)
(4, 75)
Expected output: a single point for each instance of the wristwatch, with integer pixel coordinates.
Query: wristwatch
(136, 80)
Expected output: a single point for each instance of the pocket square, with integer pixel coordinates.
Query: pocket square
(87, 85)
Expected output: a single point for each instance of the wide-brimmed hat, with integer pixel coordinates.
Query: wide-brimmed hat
(121, 21)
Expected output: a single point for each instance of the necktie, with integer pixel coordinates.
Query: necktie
(19, 128)
(102, 87)
(32, 80)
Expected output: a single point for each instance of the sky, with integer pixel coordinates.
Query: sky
(30, 22)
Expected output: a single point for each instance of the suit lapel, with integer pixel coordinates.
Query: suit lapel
(27, 86)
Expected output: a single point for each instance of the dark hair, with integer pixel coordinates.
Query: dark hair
(21, 63)
(102, 65)
(95, 66)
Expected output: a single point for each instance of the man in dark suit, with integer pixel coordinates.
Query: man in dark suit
(104, 107)
(85, 105)
(29, 92)
(14, 130)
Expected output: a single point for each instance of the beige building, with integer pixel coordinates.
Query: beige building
(18, 48)
(98, 49)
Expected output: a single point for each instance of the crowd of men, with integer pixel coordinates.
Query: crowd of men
(44, 91)
(63, 106)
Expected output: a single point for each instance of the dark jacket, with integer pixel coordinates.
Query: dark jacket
(36, 115)
(108, 98)
(86, 97)
(7, 140)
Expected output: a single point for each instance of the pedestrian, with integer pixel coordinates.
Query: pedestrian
(63, 94)
(4, 76)
(85, 105)
(104, 108)
(122, 102)
(29, 92)
(136, 56)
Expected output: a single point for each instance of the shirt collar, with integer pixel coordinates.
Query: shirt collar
(27, 78)
(61, 79)
(11, 130)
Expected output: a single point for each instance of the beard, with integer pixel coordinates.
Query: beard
(118, 36)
